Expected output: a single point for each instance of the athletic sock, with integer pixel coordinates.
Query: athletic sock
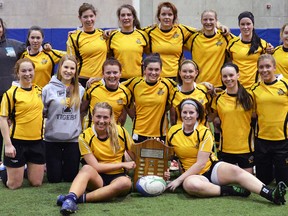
(72, 196)
(266, 192)
(82, 198)
(233, 191)
(276, 195)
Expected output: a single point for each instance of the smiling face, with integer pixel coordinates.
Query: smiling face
(166, 18)
(35, 40)
(152, 72)
(87, 19)
(229, 78)
(101, 119)
(266, 69)
(25, 74)
(209, 22)
(111, 75)
(188, 73)
(189, 115)
(246, 27)
(67, 71)
(126, 19)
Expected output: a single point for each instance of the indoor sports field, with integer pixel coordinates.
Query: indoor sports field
(28, 201)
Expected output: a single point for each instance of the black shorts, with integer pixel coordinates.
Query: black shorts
(32, 151)
(242, 160)
(208, 173)
(108, 178)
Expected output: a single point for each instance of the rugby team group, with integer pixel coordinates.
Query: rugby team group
(234, 92)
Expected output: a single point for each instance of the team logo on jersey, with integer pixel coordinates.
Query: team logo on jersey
(120, 101)
(281, 92)
(175, 35)
(44, 61)
(219, 43)
(160, 92)
(138, 41)
(60, 93)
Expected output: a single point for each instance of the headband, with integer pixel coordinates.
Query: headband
(246, 14)
(189, 102)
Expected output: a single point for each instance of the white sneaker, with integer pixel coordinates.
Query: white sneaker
(2, 167)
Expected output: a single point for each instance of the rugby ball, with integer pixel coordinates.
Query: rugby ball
(150, 185)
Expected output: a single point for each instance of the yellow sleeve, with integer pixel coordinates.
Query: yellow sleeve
(206, 143)
(84, 145)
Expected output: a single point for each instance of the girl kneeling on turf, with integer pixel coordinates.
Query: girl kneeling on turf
(204, 175)
(22, 106)
(102, 147)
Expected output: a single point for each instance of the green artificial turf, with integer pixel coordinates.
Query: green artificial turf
(42, 201)
(29, 201)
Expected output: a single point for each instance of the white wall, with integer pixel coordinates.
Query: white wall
(64, 13)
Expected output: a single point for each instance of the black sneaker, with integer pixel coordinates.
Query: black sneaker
(278, 194)
(239, 191)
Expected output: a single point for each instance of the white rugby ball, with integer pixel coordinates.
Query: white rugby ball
(151, 185)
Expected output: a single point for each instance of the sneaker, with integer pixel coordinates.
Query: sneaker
(60, 199)
(239, 191)
(278, 194)
(2, 167)
(68, 207)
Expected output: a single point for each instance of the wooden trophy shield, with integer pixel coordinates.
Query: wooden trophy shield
(151, 157)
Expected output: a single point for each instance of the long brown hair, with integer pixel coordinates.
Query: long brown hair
(74, 87)
(136, 22)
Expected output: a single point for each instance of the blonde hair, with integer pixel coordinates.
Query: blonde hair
(185, 61)
(209, 11)
(112, 127)
(74, 87)
(266, 56)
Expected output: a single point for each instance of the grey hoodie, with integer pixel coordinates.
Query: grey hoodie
(63, 124)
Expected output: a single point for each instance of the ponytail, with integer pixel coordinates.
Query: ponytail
(244, 98)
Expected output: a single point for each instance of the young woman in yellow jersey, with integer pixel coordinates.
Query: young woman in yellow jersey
(234, 108)
(151, 95)
(22, 106)
(102, 147)
(204, 175)
(271, 102)
(128, 44)
(208, 49)
(245, 49)
(167, 38)
(187, 88)
(281, 53)
(44, 60)
(88, 45)
(108, 90)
